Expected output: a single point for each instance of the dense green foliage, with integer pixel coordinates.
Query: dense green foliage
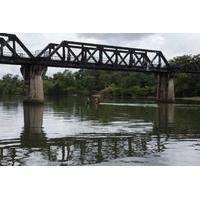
(11, 85)
(187, 85)
(86, 82)
(126, 84)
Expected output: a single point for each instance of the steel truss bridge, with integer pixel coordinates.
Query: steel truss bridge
(70, 54)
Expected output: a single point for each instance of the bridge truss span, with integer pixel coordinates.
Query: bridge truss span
(11, 46)
(96, 56)
(69, 54)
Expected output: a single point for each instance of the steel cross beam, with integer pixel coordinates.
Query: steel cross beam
(69, 54)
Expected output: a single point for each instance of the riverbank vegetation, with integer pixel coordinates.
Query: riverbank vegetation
(111, 83)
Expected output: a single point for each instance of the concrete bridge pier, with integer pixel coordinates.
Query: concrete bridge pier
(165, 88)
(33, 83)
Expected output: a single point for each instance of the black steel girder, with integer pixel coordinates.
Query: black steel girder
(69, 54)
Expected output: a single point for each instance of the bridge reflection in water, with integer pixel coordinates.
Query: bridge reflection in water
(84, 148)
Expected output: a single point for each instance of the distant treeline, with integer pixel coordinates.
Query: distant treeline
(124, 84)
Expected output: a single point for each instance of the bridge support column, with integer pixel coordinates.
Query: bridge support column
(165, 88)
(33, 83)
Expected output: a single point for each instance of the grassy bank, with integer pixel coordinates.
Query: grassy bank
(190, 98)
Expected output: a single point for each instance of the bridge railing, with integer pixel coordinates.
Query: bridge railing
(20, 54)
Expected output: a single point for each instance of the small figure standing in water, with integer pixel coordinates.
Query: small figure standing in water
(88, 100)
(97, 100)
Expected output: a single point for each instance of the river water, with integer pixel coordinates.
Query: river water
(67, 131)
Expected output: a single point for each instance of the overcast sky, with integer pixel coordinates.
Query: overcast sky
(170, 44)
